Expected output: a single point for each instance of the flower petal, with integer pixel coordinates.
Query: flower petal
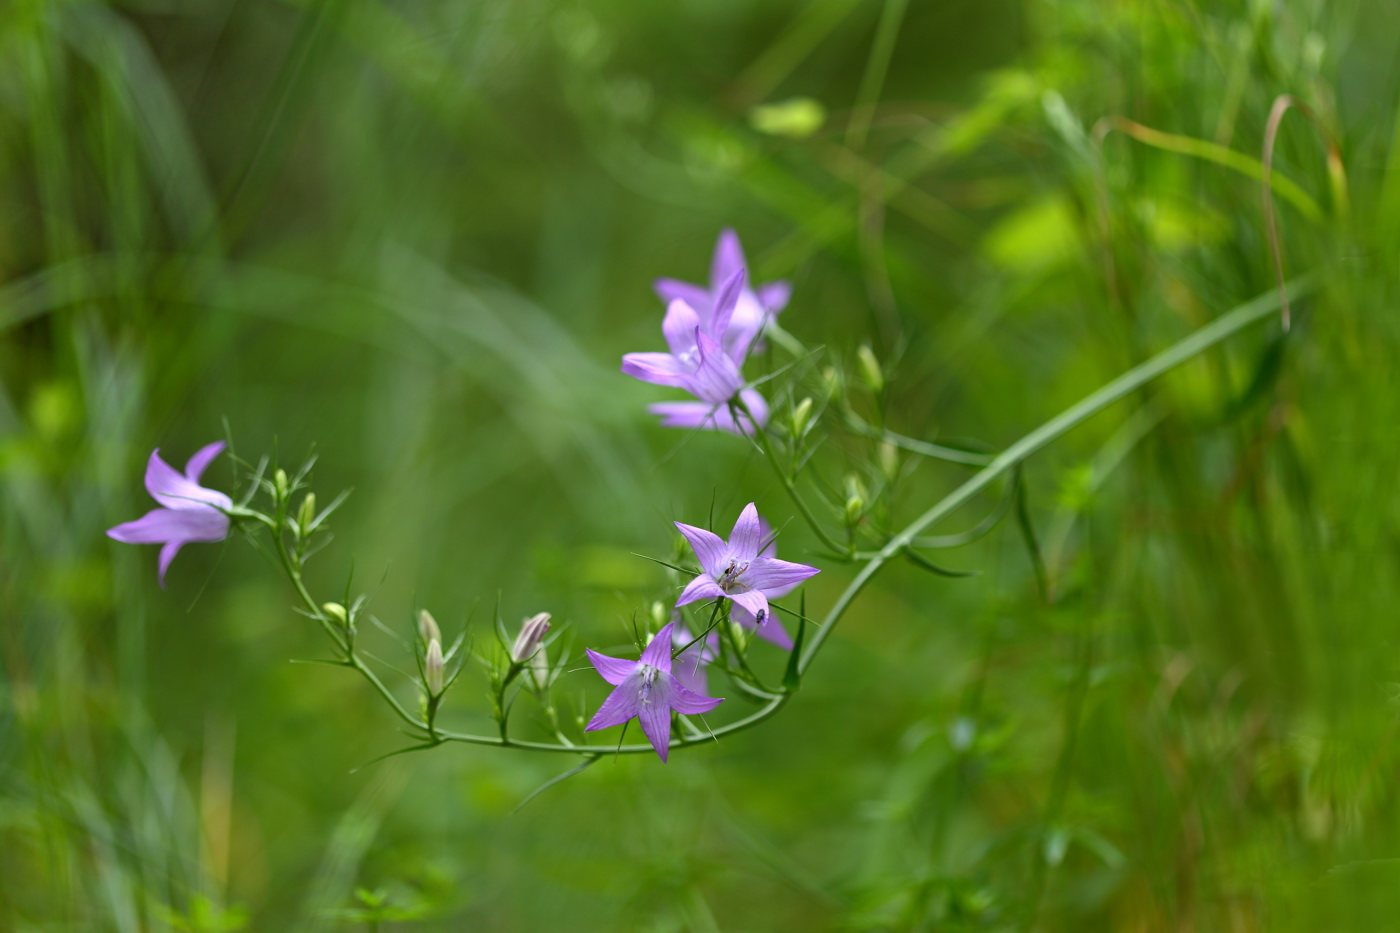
(167, 554)
(691, 703)
(728, 259)
(726, 300)
(204, 456)
(716, 379)
(655, 715)
(621, 705)
(662, 369)
(769, 574)
(709, 548)
(752, 600)
(746, 536)
(679, 327)
(613, 670)
(774, 296)
(697, 296)
(161, 525)
(176, 491)
(702, 587)
(658, 651)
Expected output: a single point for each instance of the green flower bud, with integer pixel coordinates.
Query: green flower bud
(835, 387)
(306, 514)
(889, 461)
(870, 370)
(433, 668)
(280, 484)
(428, 627)
(336, 613)
(855, 508)
(659, 613)
(801, 416)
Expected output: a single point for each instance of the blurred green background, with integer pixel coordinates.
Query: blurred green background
(417, 236)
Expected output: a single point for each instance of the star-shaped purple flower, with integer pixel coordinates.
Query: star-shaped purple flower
(697, 363)
(647, 690)
(770, 629)
(736, 571)
(189, 511)
(752, 310)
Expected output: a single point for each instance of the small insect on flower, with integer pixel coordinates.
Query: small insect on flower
(646, 689)
(737, 571)
(189, 512)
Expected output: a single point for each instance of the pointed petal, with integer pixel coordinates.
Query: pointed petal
(167, 554)
(175, 491)
(197, 464)
(658, 651)
(613, 670)
(679, 326)
(770, 573)
(689, 702)
(655, 715)
(728, 259)
(752, 600)
(621, 705)
(747, 535)
(697, 296)
(702, 587)
(726, 301)
(774, 296)
(662, 369)
(161, 525)
(716, 379)
(709, 548)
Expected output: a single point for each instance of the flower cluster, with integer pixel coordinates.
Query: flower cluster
(710, 332)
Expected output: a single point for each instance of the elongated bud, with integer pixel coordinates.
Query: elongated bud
(740, 635)
(889, 461)
(801, 415)
(659, 613)
(280, 483)
(306, 514)
(870, 370)
(336, 612)
(433, 668)
(538, 670)
(856, 496)
(428, 627)
(835, 387)
(532, 631)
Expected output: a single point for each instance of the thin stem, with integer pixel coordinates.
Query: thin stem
(761, 437)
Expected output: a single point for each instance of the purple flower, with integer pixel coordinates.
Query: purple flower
(647, 690)
(736, 571)
(190, 512)
(752, 308)
(770, 629)
(697, 363)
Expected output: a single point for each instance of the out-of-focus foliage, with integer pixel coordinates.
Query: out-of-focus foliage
(418, 236)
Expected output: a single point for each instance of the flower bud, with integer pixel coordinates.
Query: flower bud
(801, 416)
(740, 635)
(532, 631)
(538, 669)
(856, 497)
(835, 387)
(659, 613)
(870, 370)
(889, 461)
(280, 484)
(433, 668)
(336, 613)
(428, 627)
(306, 514)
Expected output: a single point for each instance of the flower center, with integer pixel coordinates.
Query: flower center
(729, 580)
(648, 679)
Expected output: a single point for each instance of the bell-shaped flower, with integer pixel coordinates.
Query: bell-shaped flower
(752, 309)
(189, 512)
(735, 570)
(769, 629)
(697, 364)
(648, 690)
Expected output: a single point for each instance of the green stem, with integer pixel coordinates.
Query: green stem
(761, 437)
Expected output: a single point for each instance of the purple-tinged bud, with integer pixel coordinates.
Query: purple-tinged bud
(532, 631)
(433, 668)
(428, 627)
